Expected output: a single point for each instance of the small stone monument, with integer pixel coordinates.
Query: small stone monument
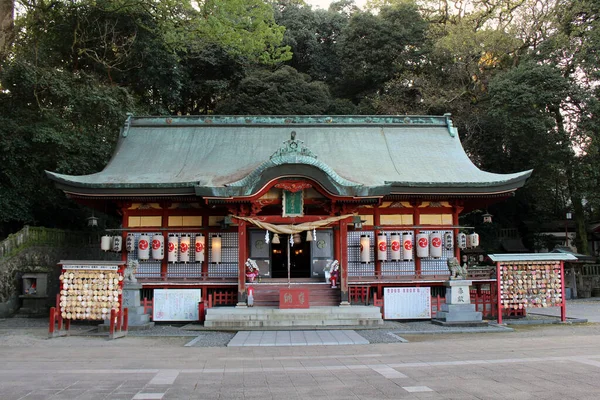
(458, 310)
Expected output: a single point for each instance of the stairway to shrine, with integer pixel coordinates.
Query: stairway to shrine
(320, 294)
(273, 317)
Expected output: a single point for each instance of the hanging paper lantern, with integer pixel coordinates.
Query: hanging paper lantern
(395, 246)
(117, 244)
(130, 242)
(216, 248)
(144, 247)
(158, 247)
(435, 244)
(200, 243)
(461, 240)
(105, 242)
(172, 248)
(365, 248)
(407, 246)
(448, 240)
(422, 245)
(473, 240)
(382, 247)
(184, 248)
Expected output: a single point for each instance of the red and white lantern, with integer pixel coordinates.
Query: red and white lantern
(435, 244)
(448, 240)
(422, 245)
(200, 243)
(382, 247)
(407, 246)
(365, 248)
(184, 248)
(144, 247)
(395, 246)
(158, 247)
(473, 240)
(172, 248)
(130, 242)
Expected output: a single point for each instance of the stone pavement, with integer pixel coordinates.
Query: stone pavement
(297, 338)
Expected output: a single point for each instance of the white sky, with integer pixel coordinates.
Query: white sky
(324, 4)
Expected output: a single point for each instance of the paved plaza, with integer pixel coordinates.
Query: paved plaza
(547, 361)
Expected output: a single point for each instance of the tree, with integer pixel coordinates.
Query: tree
(284, 91)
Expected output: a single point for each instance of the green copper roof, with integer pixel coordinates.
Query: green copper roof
(225, 156)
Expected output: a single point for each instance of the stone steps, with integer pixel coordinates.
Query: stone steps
(320, 294)
(240, 318)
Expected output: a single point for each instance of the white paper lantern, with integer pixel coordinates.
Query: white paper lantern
(105, 242)
(448, 240)
(184, 248)
(407, 246)
(382, 247)
(395, 246)
(172, 248)
(117, 244)
(473, 240)
(216, 243)
(435, 245)
(422, 245)
(130, 242)
(158, 247)
(144, 247)
(365, 249)
(200, 243)
(461, 240)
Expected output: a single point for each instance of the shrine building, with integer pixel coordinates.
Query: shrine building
(200, 195)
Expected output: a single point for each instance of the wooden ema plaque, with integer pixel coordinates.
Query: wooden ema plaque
(90, 293)
(293, 298)
(530, 284)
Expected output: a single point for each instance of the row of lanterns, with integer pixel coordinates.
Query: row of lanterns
(178, 247)
(427, 245)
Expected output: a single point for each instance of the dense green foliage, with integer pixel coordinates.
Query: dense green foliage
(520, 78)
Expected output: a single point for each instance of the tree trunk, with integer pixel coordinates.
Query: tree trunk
(7, 27)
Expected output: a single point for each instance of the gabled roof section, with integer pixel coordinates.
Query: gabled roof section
(236, 156)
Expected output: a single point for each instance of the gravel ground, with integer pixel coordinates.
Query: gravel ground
(389, 332)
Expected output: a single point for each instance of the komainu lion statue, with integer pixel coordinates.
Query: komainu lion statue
(130, 271)
(456, 270)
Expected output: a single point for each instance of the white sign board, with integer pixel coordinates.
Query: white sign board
(176, 304)
(407, 303)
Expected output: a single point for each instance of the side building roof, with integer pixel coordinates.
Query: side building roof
(237, 156)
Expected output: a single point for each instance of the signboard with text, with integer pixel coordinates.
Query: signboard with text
(293, 298)
(407, 303)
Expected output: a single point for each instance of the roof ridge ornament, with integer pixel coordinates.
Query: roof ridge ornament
(451, 128)
(125, 129)
(293, 147)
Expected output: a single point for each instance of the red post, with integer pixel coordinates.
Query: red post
(68, 324)
(125, 319)
(201, 311)
(563, 307)
(52, 318)
(498, 293)
(119, 318)
(113, 317)
(58, 312)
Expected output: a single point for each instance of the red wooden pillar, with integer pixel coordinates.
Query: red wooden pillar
(206, 244)
(455, 213)
(343, 239)
(164, 265)
(498, 292)
(416, 222)
(563, 306)
(377, 223)
(242, 256)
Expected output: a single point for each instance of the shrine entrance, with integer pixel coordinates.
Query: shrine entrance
(300, 257)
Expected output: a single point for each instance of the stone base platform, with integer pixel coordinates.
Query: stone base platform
(271, 317)
(460, 324)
